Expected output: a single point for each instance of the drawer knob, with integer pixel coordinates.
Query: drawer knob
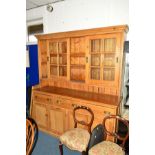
(106, 112)
(74, 105)
(58, 101)
(49, 100)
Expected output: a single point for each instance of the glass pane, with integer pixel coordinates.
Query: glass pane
(62, 71)
(109, 74)
(95, 60)
(110, 45)
(63, 59)
(53, 70)
(53, 47)
(95, 45)
(95, 73)
(53, 59)
(63, 47)
(109, 60)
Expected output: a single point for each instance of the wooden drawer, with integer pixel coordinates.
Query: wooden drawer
(61, 102)
(42, 98)
(103, 111)
(97, 110)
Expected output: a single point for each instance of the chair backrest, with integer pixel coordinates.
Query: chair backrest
(35, 126)
(115, 134)
(81, 121)
(96, 136)
(29, 136)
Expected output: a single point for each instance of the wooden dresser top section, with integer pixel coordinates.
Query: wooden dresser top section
(89, 96)
(86, 32)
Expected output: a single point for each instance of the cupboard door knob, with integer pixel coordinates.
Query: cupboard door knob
(46, 115)
(117, 59)
(48, 99)
(86, 59)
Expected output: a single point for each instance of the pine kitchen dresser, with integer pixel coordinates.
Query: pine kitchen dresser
(83, 67)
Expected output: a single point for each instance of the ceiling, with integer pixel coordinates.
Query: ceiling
(30, 4)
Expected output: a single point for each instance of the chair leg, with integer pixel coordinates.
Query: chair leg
(61, 148)
(83, 153)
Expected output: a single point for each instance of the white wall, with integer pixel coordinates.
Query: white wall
(81, 14)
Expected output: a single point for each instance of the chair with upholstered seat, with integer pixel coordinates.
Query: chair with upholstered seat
(108, 147)
(77, 138)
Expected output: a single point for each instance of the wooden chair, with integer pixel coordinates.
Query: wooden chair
(77, 138)
(35, 127)
(108, 147)
(29, 136)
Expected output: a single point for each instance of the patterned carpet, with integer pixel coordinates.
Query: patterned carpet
(48, 145)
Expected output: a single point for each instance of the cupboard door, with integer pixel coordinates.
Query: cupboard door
(40, 115)
(103, 55)
(43, 59)
(58, 50)
(57, 120)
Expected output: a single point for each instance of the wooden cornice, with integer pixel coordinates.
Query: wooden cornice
(77, 33)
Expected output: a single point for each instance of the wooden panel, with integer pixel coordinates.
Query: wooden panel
(109, 100)
(43, 69)
(78, 45)
(42, 98)
(40, 115)
(77, 73)
(77, 59)
(79, 33)
(57, 119)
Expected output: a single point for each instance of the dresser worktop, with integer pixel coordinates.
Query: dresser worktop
(89, 96)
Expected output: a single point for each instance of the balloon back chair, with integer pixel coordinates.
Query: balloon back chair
(77, 138)
(108, 147)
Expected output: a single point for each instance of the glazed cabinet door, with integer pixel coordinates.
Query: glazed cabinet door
(57, 120)
(40, 114)
(43, 59)
(58, 49)
(104, 53)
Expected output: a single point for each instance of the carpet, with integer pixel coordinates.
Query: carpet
(48, 145)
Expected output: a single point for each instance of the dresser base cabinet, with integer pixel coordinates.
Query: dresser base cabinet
(52, 108)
